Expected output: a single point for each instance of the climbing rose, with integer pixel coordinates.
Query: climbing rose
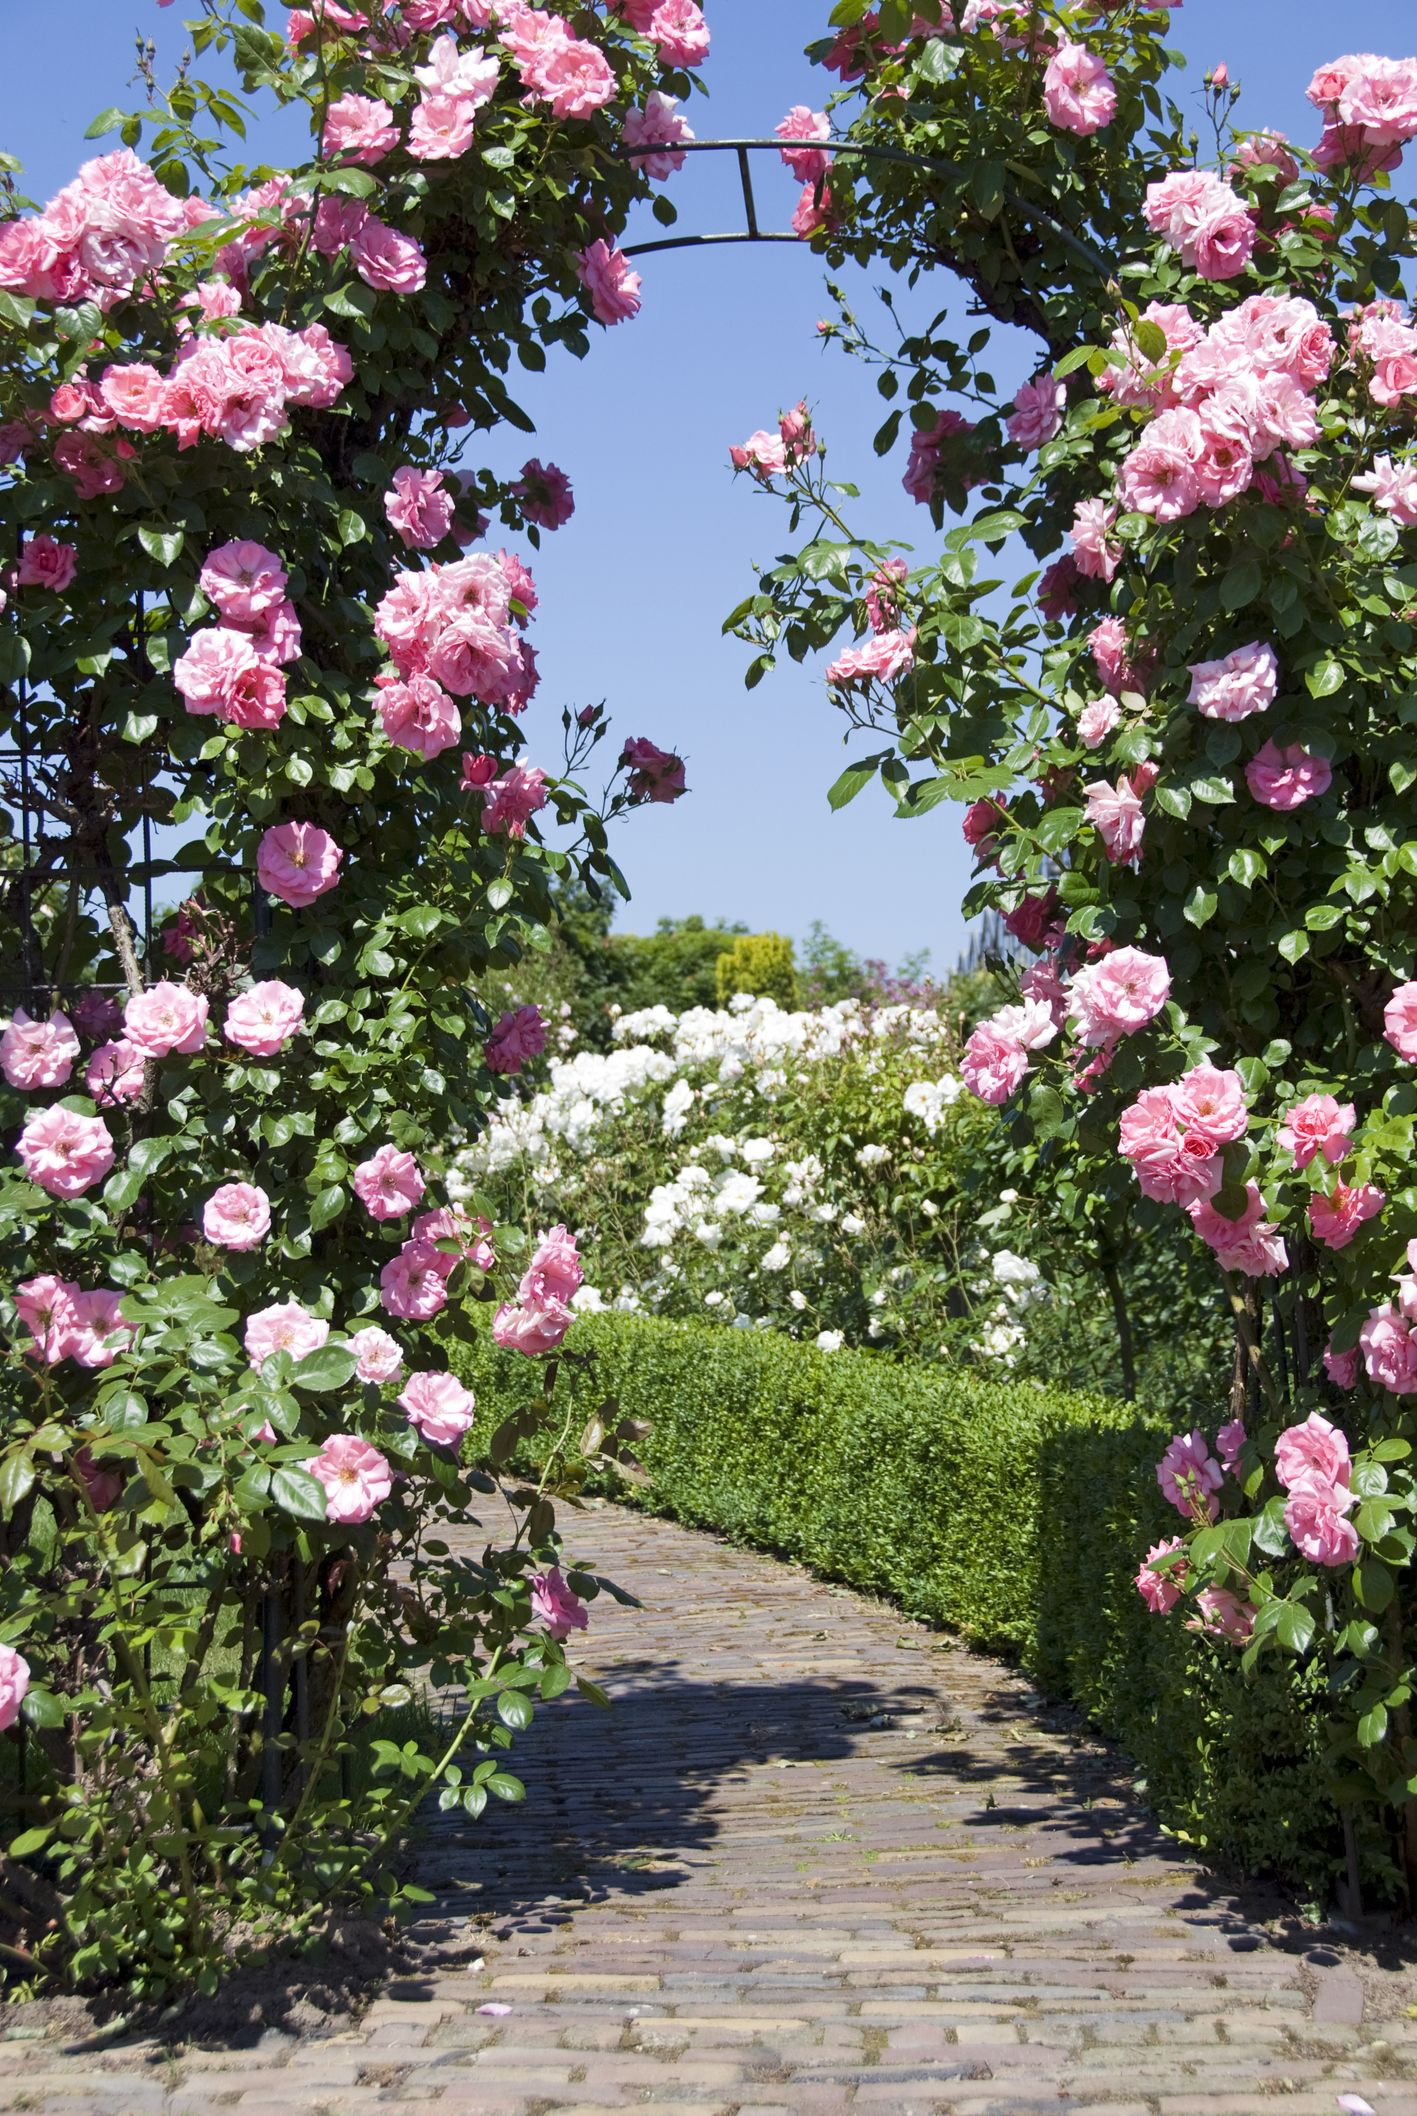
(518, 1037)
(413, 1285)
(46, 1305)
(1249, 1245)
(1223, 1615)
(439, 1407)
(1341, 1367)
(377, 1355)
(223, 673)
(1284, 778)
(1317, 1125)
(1237, 685)
(1115, 813)
(1210, 1104)
(356, 1477)
(1096, 722)
(243, 580)
(1190, 1476)
(1095, 552)
(419, 507)
(1230, 1444)
(1316, 1517)
(808, 164)
(237, 1216)
(1335, 1219)
(38, 1053)
(531, 1330)
(1078, 94)
(263, 1019)
(96, 1014)
(46, 564)
(554, 1272)
(1161, 1590)
(881, 660)
(613, 288)
(1315, 1451)
(298, 862)
(1394, 489)
(116, 1073)
(1175, 1163)
(1400, 1021)
(1389, 1351)
(656, 775)
(286, 1327)
(679, 29)
(387, 260)
(993, 1065)
(554, 1605)
(360, 128)
(390, 1184)
(1118, 996)
(763, 453)
(661, 124)
(543, 492)
(513, 800)
(14, 1684)
(1038, 412)
(165, 1021)
(65, 1153)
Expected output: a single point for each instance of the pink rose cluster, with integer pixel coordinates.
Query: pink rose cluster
(656, 775)
(676, 27)
(418, 507)
(541, 1315)
(414, 1284)
(1313, 1463)
(237, 389)
(1384, 342)
(98, 238)
(37, 1054)
(929, 448)
(233, 671)
(456, 83)
(556, 67)
(1369, 109)
(771, 455)
(386, 259)
(518, 1037)
(457, 625)
(1117, 996)
(389, 1184)
(1173, 1135)
(1204, 219)
(883, 659)
(996, 1056)
(543, 493)
(1226, 401)
(1393, 487)
(1387, 1342)
(65, 1322)
(661, 127)
(1190, 1477)
(809, 162)
(510, 802)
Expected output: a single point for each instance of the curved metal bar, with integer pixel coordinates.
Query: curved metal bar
(695, 242)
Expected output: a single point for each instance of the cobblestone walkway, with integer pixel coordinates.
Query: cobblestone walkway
(815, 1861)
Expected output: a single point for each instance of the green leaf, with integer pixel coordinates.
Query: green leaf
(42, 1708)
(332, 1367)
(514, 1710)
(1151, 341)
(1295, 1627)
(1294, 946)
(1200, 905)
(503, 1786)
(29, 1842)
(993, 528)
(326, 1206)
(296, 1492)
(1325, 677)
(1241, 584)
(500, 893)
(16, 1479)
(849, 785)
(1078, 357)
(165, 545)
(1373, 1585)
(107, 121)
(1372, 1727)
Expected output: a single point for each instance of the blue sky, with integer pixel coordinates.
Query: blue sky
(634, 590)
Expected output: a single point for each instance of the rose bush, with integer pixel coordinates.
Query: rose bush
(1185, 735)
(253, 607)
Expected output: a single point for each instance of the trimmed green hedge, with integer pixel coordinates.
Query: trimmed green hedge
(1011, 1514)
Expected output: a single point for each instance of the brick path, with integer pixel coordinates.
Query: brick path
(815, 1862)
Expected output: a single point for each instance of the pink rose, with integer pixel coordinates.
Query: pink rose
(1095, 551)
(1314, 1452)
(1160, 477)
(883, 659)
(377, 1356)
(1161, 1588)
(1223, 1615)
(1078, 94)
(419, 508)
(1394, 489)
(1230, 1444)
(1038, 412)
(679, 29)
(1096, 722)
(440, 1408)
(97, 1014)
(543, 492)
(1335, 1218)
(1341, 1367)
(1116, 815)
(1118, 996)
(532, 1331)
(104, 1486)
(222, 673)
(1190, 1476)
(513, 800)
(1210, 1103)
(418, 716)
(441, 127)
(65, 1153)
(1173, 1164)
(613, 288)
(554, 1606)
(116, 1073)
(1317, 1125)
(554, 1272)
(47, 1306)
(809, 164)
(1389, 1351)
(1224, 241)
(414, 1284)
(359, 128)
(1316, 1517)
(1400, 1021)
(390, 1184)
(1239, 684)
(46, 564)
(14, 1685)
(298, 862)
(450, 1224)
(237, 1216)
(165, 1021)
(263, 1020)
(38, 1053)
(100, 1332)
(763, 453)
(517, 1038)
(286, 1327)
(387, 261)
(356, 1477)
(1285, 778)
(656, 775)
(993, 1066)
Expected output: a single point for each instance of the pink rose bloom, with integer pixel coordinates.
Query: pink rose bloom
(47, 1307)
(1118, 996)
(46, 564)
(1394, 489)
(1380, 95)
(390, 1184)
(275, 636)
(1115, 813)
(377, 1356)
(263, 1020)
(1317, 1125)
(1095, 552)
(14, 1685)
(1190, 1476)
(1389, 1351)
(414, 1284)
(387, 261)
(238, 1216)
(993, 1065)
(419, 716)
(1230, 1444)
(38, 1053)
(555, 1607)
(1335, 1219)
(808, 164)
(1223, 1615)
(440, 1408)
(922, 473)
(554, 1272)
(1249, 1244)
(1038, 412)
(656, 775)
(1210, 1103)
(518, 1037)
(1400, 1021)
(136, 395)
(1173, 1165)
(884, 595)
(1224, 241)
(1314, 1452)
(221, 673)
(1341, 1367)
(451, 1224)
(764, 453)
(1078, 94)
(287, 1327)
(166, 1020)
(1316, 1517)
(116, 1073)
(1096, 722)
(97, 1014)
(613, 288)
(679, 29)
(543, 493)
(1160, 476)
(356, 1477)
(360, 128)
(661, 124)
(419, 509)
(298, 862)
(1285, 778)
(532, 1331)
(883, 659)
(100, 1332)
(441, 128)
(513, 800)
(1239, 684)
(1161, 1590)
(64, 1153)
(1110, 649)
